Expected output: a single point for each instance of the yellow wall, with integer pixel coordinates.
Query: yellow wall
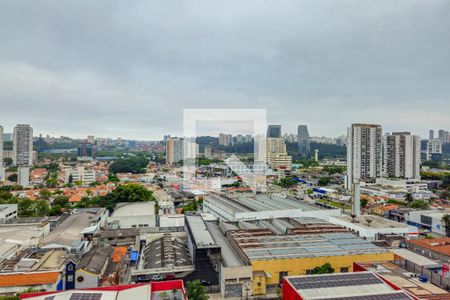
(298, 266)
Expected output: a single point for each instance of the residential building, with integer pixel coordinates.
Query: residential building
(225, 139)
(303, 141)
(79, 173)
(402, 155)
(364, 159)
(354, 286)
(276, 154)
(274, 131)
(207, 151)
(431, 134)
(23, 176)
(174, 150)
(434, 146)
(2, 169)
(441, 136)
(91, 139)
(133, 215)
(23, 145)
(7, 137)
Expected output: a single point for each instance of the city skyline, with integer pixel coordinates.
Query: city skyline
(305, 62)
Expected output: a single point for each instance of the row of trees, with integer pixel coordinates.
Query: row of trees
(135, 165)
(131, 192)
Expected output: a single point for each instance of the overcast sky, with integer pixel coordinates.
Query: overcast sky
(129, 68)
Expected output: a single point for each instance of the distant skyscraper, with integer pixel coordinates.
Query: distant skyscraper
(2, 169)
(402, 155)
(174, 150)
(23, 145)
(1, 146)
(91, 139)
(274, 131)
(364, 160)
(442, 136)
(304, 148)
(86, 149)
(207, 151)
(431, 134)
(434, 146)
(225, 139)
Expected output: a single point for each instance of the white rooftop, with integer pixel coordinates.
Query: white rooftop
(134, 209)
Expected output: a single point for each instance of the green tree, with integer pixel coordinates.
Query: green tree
(196, 291)
(70, 179)
(12, 177)
(25, 208)
(62, 201)
(323, 269)
(409, 198)
(41, 208)
(419, 204)
(323, 181)
(45, 194)
(446, 221)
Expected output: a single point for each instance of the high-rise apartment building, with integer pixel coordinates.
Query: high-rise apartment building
(276, 154)
(91, 139)
(207, 151)
(2, 169)
(304, 148)
(274, 131)
(431, 134)
(1, 146)
(434, 146)
(442, 135)
(225, 139)
(23, 145)
(364, 160)
(402, 155)
(174, 150)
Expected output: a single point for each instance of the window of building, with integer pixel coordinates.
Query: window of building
(344, 270)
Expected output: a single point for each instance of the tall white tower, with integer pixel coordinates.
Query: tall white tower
(316, 155)
(23, 145)
(2, 169)
(364, 160)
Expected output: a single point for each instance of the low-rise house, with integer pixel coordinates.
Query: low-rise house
(92, 267)
(75, 233)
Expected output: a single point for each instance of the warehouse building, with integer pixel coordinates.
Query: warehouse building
(247, 207)
(273, 256)
(133, 215)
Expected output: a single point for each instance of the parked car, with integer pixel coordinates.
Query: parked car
(157, 277)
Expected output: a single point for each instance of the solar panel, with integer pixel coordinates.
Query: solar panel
(326, 281)
(391, 296)
(85, 296)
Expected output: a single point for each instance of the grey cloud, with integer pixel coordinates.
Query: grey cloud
(121, 68)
